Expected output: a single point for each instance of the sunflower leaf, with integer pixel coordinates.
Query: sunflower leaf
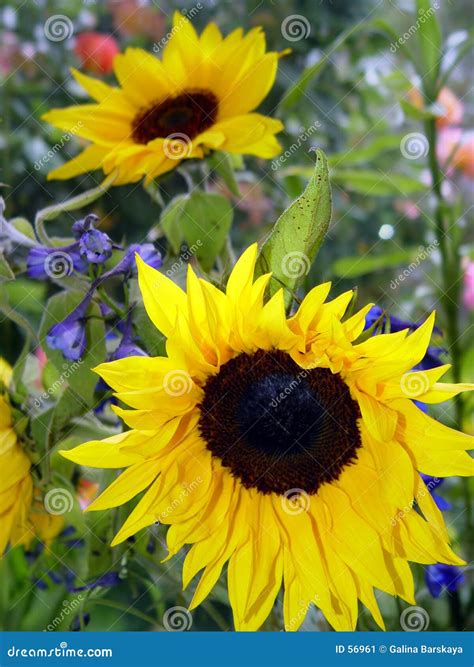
(297, 235)
(430, 45)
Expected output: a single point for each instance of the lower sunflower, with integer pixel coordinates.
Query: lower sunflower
(22, 514)
(281, 447)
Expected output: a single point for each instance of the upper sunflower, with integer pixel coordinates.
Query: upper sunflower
(21, 517)
(197, 98)
(281, 446)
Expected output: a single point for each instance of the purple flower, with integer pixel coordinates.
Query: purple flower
(148, 253)
(128, 264)
(84, 225)
(43, 263)
(441, 577)
(95, 246)
(69, 336)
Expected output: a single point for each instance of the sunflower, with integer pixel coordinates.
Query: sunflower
(281, 447)
(22, 514)
(198, 98)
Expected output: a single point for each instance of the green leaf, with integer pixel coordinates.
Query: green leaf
(353, 267)
(8, 309)
(376, 183)
(5, 271)
(153, 341)
(170, 222)
(23, 226)
(70, 405)
(297, 235)
(221, 162)
(427, 113)
(398, 43)
(358, 154)
(75, 374)
(206, 221)
(430, 41)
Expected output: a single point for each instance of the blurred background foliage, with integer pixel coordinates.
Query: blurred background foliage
(356, 103)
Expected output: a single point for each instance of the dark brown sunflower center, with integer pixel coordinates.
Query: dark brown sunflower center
(277, 426)
(187, 114)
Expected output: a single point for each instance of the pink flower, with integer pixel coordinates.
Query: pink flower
(468, 285)
(96, 51)
(455, 150)
(452, 109)
(86, 492)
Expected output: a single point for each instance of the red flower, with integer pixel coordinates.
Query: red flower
(96, 51)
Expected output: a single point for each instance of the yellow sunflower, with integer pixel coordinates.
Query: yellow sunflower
(281, 447)
(21, 517)
(199, 97)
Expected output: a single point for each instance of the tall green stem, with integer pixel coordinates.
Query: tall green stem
(450, 274)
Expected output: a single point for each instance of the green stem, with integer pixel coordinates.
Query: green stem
(450, 270)
(84, 199)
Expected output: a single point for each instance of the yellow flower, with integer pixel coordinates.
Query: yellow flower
(199, 97)
(281, 447)
(21, 517)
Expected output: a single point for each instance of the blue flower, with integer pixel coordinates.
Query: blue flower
(43, 263)
(441, 577)
(95, 246)
(69, 336)
(128, 264)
